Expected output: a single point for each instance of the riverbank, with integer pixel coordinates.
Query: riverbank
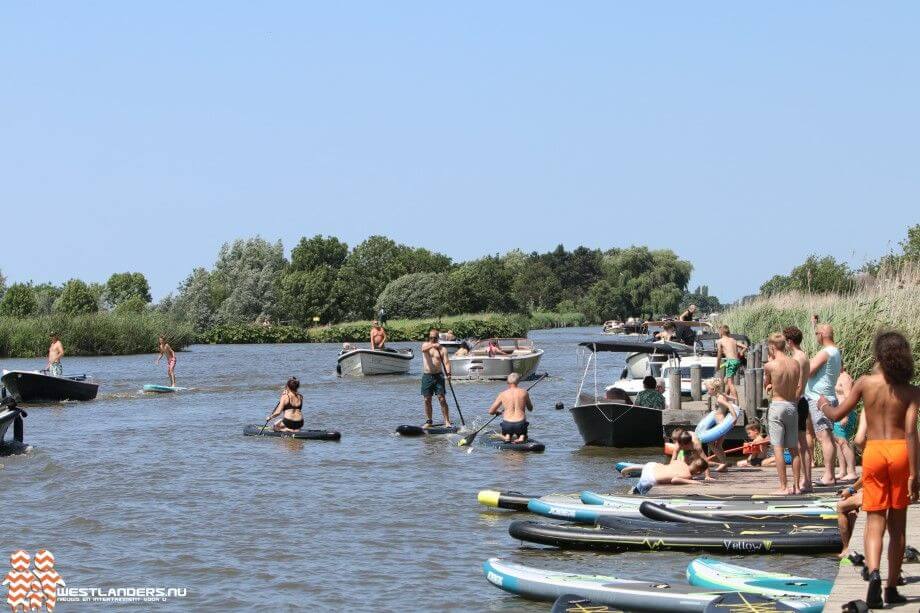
(479, 325)
(91, 335)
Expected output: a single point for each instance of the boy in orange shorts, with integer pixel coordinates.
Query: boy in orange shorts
(890, 458)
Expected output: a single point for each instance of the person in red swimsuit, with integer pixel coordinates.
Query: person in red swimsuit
(890, 457)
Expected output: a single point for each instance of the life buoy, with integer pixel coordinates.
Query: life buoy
(708, 430)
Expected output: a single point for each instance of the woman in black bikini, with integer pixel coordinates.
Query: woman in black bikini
(289, 407)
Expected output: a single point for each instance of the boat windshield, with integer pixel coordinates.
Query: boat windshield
(706, 372)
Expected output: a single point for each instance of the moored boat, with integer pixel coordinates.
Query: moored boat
(484, 361)
(34, 386)
(356, 361)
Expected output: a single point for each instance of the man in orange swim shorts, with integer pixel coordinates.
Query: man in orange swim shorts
(890, 458)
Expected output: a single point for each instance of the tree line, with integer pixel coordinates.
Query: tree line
(323, 280)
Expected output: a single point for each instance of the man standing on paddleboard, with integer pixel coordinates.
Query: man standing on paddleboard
(435, 365)
(167, 352)
(513, 403)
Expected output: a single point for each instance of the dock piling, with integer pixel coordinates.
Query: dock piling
(696, 382)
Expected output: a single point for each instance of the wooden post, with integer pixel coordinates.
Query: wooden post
(750, 403)
(696, 382)
(674, 388)
(756, 357)
(758, 388)
(764, 353)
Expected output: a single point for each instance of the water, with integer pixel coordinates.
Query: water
(164, 491)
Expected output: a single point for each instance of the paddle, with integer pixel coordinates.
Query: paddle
(452, 393)
(266, 422)
(747, 448)
(466, 441)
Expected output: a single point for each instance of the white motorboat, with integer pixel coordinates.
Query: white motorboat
(631, 327)
(356, 361)
(496, 358)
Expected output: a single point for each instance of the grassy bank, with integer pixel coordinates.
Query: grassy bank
(482, 325)
(888, 303)
(98, 334)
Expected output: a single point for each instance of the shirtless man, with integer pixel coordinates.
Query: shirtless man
(824, 369)
(378, 335)
(781, 377)
(793, 338)
(434, 366)
(167, 352)
(675, 473)
(890, 457)
(55, 353)
(729, 350)
(513, 404)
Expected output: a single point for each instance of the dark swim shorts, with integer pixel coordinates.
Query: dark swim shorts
(802, 409)
(515, 428)
(432, 384)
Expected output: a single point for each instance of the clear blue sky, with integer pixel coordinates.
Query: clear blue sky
(141, 136)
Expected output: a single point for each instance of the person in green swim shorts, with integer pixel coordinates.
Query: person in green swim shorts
(728, 357)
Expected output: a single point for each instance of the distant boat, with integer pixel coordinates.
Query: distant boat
(631, 327)
(517, 355)
(35, 386)
(357, 362)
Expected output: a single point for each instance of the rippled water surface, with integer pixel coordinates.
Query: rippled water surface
(164, 490)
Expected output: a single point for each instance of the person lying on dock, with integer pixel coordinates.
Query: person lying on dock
(687, 449)
(758, 447)
(378, 335)
(290, 408)
(513, 404)
(675, 473)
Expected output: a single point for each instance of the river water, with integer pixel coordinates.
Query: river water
(135, 490)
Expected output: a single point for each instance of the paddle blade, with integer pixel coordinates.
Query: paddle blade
(467, 440)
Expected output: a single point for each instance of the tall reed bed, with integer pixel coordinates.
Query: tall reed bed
(97, 334)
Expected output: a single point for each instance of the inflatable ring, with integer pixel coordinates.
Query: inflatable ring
(708, 430)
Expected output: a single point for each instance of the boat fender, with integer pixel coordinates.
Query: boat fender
(559, 406)
(708, 430)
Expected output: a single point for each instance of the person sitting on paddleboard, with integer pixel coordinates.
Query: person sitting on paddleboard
(167, 352)
(434, 365)
(513, 404)
(289, 407)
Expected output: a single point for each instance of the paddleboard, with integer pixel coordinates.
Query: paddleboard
(161, 389)
(494, 440)
(626, 594)
(515, 501)
(621, 466)
(590, 513)
(407, 430)
(714, 574)
(570, 603)
(312, 435)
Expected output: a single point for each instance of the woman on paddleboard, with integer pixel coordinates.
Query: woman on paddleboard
(167, 352)
(289, 407)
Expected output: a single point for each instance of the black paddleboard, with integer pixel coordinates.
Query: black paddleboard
(311, 435)
(662, 513)
(495, 441)
(406, 430)
(570, 603)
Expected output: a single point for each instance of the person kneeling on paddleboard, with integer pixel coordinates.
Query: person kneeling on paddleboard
(289, 408)
(513, 404)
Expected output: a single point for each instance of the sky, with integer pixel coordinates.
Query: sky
(743, 136)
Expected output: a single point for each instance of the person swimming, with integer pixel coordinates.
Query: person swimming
(290, 408)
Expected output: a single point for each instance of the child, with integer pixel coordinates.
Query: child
(725, 409)
(759, 444)
(675, 473)
(167, 352)
(728, 356)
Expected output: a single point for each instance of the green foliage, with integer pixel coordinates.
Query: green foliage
(198, 300)
(700, 297)
(77, 298)
(814, 276)
(123, 286)
(535, 286)
(45, 294)
(419, 294)
(133, 305)
(246, 279)
(304, 294)
(482, 285)
(18, 301)
(318, 251)
(94, 334)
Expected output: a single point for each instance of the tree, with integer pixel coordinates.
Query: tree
(535, 286)
(18, 301)
(311, 253)
(481, 285)
(247, 273)
(77, 298)
(133, 305)
(124, 285)
(605, 301)
(304, 294)
(198, 300)
(702, 299)
(776, 285)
(910, 246)
(45, 295)
(418, 294)
(814, 276)
(366, 272)
(2, 284)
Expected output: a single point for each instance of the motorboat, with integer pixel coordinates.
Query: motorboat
(39, 386)
(496, 358)
(11, 415)
(631, 327)
(452, 345)
(356, 361)
(607, 422)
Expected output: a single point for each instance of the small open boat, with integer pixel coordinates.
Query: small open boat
(35, 386)
(357, 362)
(513, 355)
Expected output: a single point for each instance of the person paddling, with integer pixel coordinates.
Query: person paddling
(890, 457)
(513, 404)
(55, 353)
(290, 408)
(435, 365)
(167, 352)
